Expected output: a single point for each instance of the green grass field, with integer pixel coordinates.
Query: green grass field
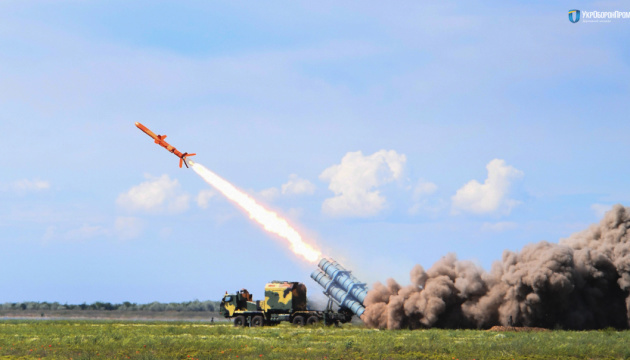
(28, 339)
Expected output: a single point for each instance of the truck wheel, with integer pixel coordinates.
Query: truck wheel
(258, 321)
(239, 320)
(298, 320)
(312, 320)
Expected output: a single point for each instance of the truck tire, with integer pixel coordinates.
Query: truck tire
(312, 320)
(298, 320)
(239, 320)
(258, 321)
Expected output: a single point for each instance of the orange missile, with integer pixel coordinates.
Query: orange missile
(159, 139)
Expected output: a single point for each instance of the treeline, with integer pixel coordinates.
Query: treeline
(195, 305)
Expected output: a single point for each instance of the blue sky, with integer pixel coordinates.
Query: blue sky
(389, 136)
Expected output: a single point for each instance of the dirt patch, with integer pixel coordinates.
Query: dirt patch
(517, 328)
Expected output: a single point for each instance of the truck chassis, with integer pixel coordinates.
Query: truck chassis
(308, 317)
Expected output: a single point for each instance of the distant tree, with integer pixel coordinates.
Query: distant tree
(156, 306)
(194, 305)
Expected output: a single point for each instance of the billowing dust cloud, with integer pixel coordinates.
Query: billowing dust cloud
(581, 283)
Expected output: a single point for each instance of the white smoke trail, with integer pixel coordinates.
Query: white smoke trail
(268, 219)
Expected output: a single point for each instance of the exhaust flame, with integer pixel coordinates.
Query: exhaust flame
(268, 219)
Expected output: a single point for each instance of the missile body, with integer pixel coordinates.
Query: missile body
(159, 139)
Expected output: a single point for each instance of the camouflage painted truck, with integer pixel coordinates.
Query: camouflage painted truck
(284, 301)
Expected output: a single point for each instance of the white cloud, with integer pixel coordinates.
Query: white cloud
(492, 195)
(269, 194)
(421, 203)
(128, 227)
(600, 209)
(26, 185)
(499, 226)
(156, 195)
(423, 188)
(204, 196)
(297, 186)
(355, 179)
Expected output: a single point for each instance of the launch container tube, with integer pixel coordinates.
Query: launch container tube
(356, 290)
(329, 266)
(344, 278)
(337, 293)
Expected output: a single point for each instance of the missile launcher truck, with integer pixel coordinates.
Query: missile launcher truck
(286, 301)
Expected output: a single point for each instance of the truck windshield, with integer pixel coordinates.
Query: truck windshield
(227, 299)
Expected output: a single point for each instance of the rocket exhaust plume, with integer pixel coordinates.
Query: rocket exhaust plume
(268, 219)
(581, 283)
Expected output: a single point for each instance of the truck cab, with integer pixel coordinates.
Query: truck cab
(240, 301)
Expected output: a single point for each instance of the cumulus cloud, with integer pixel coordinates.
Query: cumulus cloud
(128, 227)
(356, 179)
(156, 195)
(203, 198)
(269, 194)
(421, 203)
(26, 185)
(297, 186)
(423, 188)
(491, 196)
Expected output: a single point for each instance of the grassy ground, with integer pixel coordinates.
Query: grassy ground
(28, 339)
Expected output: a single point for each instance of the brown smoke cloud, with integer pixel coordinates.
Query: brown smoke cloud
(581, 283)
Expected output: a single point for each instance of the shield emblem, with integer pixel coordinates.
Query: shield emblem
(574, 16)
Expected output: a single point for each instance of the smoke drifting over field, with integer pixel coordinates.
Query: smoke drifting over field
(581, 283)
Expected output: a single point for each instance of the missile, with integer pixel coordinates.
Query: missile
(159, 139)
